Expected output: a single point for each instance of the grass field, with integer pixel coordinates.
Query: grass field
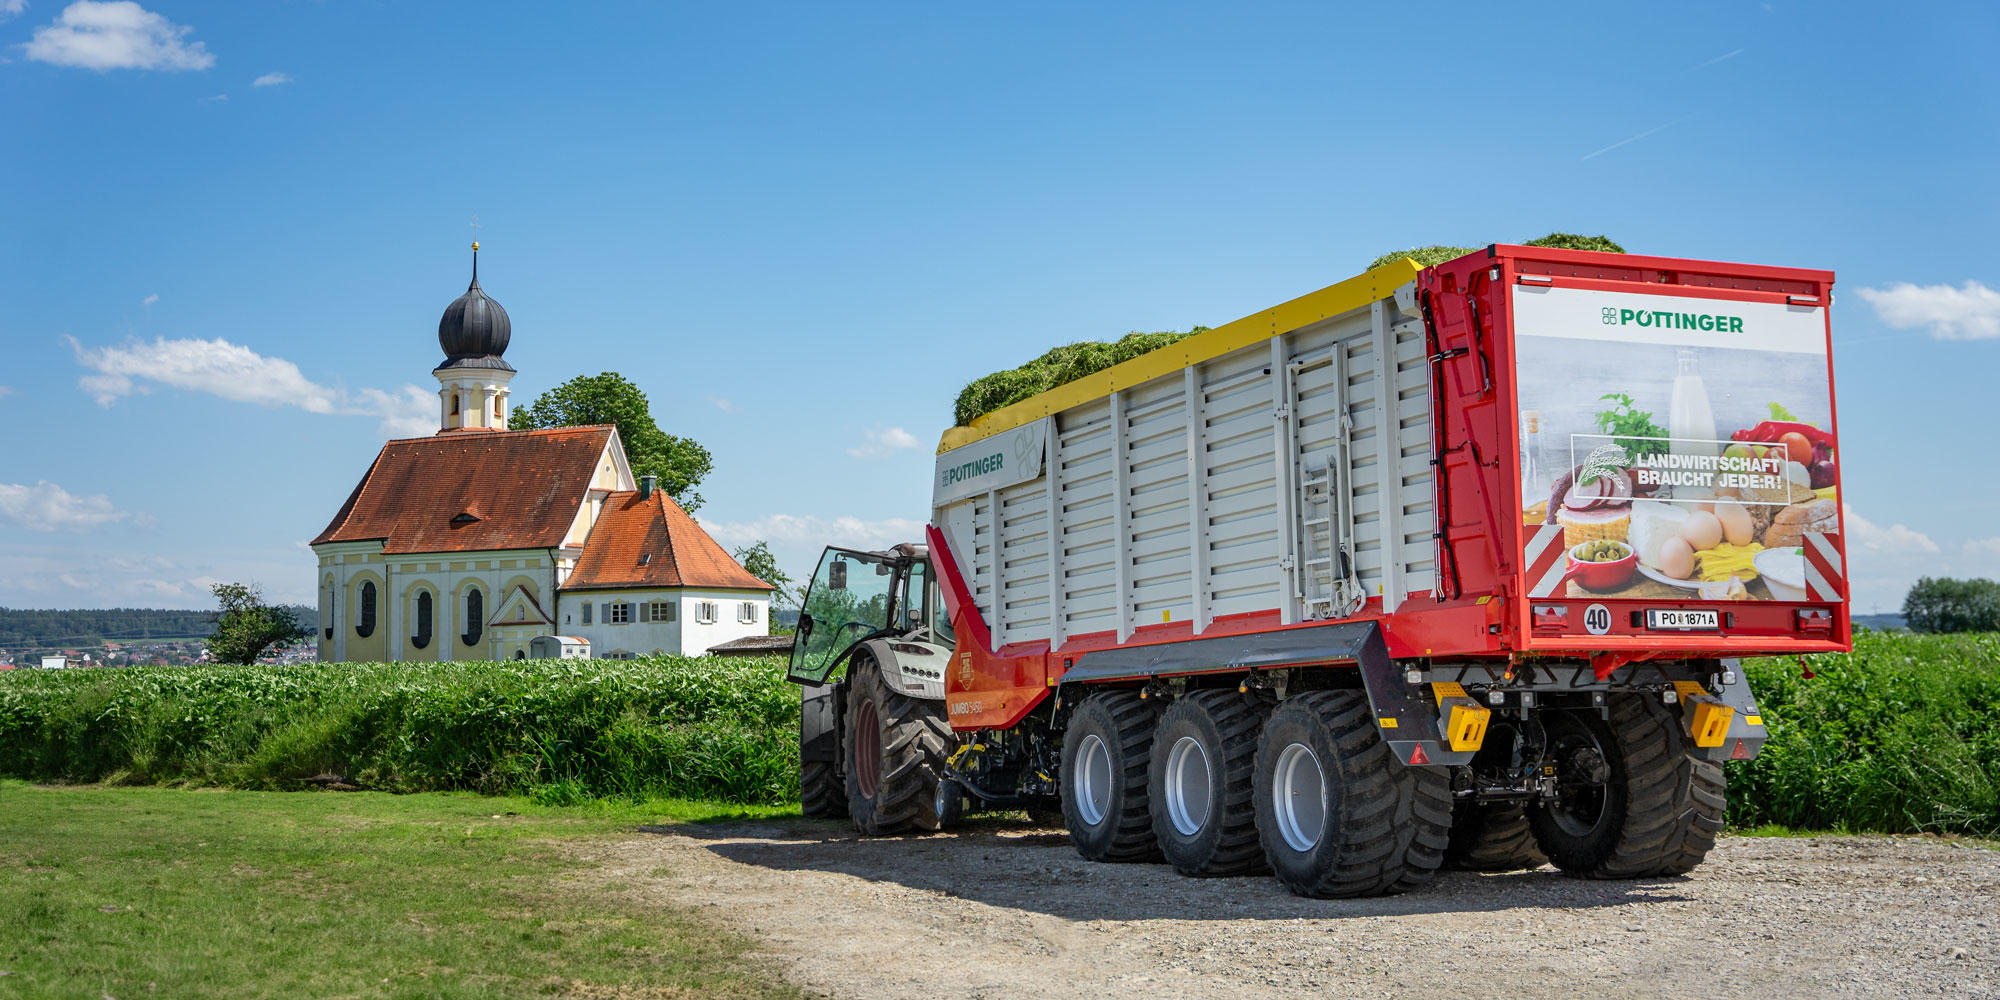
(136, 892)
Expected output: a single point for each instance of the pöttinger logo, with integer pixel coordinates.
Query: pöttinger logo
(1611, 315)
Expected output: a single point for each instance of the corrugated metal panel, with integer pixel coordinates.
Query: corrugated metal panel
(1300, 446)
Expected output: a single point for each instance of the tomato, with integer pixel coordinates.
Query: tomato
(1798, 447)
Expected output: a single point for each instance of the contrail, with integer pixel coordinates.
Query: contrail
(1635, 138)
(1733, 53)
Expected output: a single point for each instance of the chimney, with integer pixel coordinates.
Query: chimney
(646, 484)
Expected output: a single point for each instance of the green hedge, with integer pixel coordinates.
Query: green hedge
(1902, 735)
(558, 730)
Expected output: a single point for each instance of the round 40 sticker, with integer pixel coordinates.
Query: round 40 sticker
(1597, 619)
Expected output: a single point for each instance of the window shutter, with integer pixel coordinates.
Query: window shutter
(586, 612)
(671, 611)
(645, 613)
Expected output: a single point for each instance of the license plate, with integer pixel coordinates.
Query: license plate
(1682, 620)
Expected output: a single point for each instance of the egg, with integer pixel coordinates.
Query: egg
(1702, 531)
(1677, 558)
(1737, 528)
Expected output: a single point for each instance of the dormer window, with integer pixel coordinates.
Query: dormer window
(465, 517)
(645, 557)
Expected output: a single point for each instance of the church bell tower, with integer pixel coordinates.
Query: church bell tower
(472, 381)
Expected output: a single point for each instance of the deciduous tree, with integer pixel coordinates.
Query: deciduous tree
(611, 398)
(245, 626)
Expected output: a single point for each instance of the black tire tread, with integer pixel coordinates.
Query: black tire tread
(1396, 819)
(1239, 720)
(1492, 837)
(822, 790)
(1132, 721)
(914, 740)
(1674, 803)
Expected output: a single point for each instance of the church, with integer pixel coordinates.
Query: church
(468, 544)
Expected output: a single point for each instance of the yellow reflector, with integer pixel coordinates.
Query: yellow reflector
(1465, 724)
(1390, 722)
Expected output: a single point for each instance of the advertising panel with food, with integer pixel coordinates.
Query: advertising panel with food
(1681, 445)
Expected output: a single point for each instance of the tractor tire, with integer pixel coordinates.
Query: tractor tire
(1338, 814)
(895, 753)
(822, 783)
(1106, 751)
(1656, 812)
(1491, 837)
(1200, 783)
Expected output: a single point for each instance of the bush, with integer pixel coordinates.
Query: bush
(1900, 736)
(559, 730)
(1947, 605)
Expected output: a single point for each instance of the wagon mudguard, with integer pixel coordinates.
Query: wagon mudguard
(1405, 714)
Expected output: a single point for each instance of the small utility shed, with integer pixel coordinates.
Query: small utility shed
(651, 581)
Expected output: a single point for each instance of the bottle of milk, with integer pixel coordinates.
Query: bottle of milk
(1689, 420)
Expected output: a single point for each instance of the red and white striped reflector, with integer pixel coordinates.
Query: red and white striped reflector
(1825, 580)
(1545, 560)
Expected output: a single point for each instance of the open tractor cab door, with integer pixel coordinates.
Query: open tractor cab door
(873, 642)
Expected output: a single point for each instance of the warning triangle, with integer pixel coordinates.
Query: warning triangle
(1418, 756)
(1740, 753)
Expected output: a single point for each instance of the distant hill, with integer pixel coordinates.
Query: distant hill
(1882, 621)
(54, 629)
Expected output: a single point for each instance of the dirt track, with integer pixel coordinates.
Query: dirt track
(1004, 910)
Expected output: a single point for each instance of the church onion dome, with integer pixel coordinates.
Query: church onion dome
(474, 329)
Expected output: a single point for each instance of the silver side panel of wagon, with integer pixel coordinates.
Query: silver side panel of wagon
(1309, 490)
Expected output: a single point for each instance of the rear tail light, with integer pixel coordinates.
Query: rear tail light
(1815, 621)
(1551, 617)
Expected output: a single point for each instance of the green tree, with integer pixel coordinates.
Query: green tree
(611, 398)
(757, 558)
(245, 626)
(1947, 605)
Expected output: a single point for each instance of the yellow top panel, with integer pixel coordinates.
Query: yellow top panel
(1280, 319)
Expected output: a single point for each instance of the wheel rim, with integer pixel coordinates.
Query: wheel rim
(1580, 806)
(1090, 786)
(866, 764)
(1298, 797)
(941, 800)
(1187, 781)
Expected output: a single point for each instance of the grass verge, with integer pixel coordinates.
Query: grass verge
(133, 892)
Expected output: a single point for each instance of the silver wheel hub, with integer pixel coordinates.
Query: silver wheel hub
(1187, 785)
(1090, 786)
(1298, 797)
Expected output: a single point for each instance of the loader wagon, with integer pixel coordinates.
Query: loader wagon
(1433, 567)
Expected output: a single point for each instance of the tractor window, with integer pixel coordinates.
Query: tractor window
(847, 601)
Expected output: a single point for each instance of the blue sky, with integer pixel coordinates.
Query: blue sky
(230, 230)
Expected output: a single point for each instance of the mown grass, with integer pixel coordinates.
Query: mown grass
(135, 892)
(1900, 736)
(560, 731)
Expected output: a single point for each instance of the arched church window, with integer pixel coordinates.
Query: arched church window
(364, 626)
(328, 593)
(422, 639)
(454, 404)
(475, 616)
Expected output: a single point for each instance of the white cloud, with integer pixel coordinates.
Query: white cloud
(1984, 547)
(47, 508)
(12, 8)
(271, 80)
(724, 405)
(216, 98)
(150, 299)
(883, 443)
(235, 372)
(1968, 312)
(797, 539)
(116, 35)
(5, 391)
(1882, 563)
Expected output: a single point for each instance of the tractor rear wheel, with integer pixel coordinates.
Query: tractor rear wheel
(1202, 772)
(895, 753)
(822, 783)
(1338, 814)
(1106, 750)
(1634, 802)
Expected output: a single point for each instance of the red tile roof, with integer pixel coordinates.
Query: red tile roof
(682, 554)
(473, 492)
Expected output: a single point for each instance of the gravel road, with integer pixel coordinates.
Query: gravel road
(1007, 910)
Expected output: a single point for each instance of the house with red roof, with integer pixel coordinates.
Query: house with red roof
(468, 544)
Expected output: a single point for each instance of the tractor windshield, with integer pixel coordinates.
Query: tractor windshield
(847, 601)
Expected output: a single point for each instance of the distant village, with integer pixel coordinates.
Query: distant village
(147, 653)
